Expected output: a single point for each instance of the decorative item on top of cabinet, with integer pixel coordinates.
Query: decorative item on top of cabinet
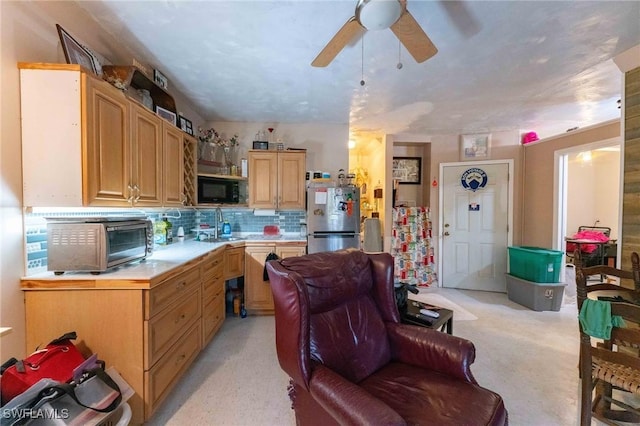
(277, 179)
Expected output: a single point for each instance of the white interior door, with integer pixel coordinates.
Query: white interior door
(475, 221)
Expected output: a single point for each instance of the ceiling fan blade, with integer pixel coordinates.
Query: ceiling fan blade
(414, 39)
(348, 31)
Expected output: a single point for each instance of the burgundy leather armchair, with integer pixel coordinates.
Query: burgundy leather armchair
(351, 361)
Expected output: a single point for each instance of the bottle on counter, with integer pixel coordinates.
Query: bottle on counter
(168, 230)
(160, 232)
(226, 229)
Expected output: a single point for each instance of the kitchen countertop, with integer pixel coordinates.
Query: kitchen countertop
(163, 259)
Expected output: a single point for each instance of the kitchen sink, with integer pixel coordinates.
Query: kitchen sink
(223, 239)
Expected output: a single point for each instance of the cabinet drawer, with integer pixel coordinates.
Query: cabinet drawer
(166, 293)
(213, 264)
(164, 329)
(213, 314)
(161, 378)
(212, 288)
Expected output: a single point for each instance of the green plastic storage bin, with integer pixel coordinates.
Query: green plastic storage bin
(535, 264)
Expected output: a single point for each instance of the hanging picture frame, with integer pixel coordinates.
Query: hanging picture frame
(74, 52)
(160, 79)
(407, 170)
(475, 146)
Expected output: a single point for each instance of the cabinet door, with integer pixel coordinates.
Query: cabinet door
(291, 180)
(173, 165)
(257, 292)
(107, 160)
(290, 251)
(263, 176)
(146, 135)
(233, 263)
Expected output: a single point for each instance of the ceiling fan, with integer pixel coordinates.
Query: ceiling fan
(378, 15)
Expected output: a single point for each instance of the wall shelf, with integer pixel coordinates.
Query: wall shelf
(125, 76)
(213, 175)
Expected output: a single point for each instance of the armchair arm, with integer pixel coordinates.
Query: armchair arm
(432, 349)
(348, 403)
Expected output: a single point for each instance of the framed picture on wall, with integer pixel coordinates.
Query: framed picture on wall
(475, 147)
(407, 170)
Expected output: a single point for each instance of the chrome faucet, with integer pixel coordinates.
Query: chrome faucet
(218, 219)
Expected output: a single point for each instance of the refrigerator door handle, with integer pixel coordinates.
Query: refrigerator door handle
(335, 234)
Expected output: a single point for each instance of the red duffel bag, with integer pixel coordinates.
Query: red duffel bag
(57, 362)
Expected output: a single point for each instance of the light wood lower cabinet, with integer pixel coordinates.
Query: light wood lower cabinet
(150, 331)
(233, 262)
(213, 308)
(258, 298)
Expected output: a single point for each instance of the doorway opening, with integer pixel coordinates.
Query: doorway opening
(588, 190)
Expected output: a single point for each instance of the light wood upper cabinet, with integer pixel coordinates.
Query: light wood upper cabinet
(173, 165)
(291, 181)
(108, 150)
(276, 179)
(84, 143)
(146, 164)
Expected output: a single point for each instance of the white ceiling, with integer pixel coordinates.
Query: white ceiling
(529, 65)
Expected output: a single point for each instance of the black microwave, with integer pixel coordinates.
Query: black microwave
(213, 190)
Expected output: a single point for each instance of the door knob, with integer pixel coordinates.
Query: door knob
(446, 225)
(446, 233)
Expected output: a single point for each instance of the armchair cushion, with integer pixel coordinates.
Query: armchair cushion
(418, 394)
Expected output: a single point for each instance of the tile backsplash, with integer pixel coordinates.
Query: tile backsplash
(241, 220)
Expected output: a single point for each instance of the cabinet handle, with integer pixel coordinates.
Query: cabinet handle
(130, 197)
(137, 197)
(180, 318)
(181, 285)
(180, 358)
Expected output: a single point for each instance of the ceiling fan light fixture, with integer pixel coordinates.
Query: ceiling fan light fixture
(378, 14)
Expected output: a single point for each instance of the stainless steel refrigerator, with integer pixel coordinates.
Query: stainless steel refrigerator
(333, 218)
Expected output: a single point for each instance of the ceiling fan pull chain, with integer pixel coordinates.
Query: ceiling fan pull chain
(399, 66)
(362, 62)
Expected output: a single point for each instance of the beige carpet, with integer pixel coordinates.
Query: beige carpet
(430, 298)
(528, 357)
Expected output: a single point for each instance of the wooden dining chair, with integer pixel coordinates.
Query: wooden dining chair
(609, 364)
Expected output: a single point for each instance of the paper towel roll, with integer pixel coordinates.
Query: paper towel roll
(372, 235)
